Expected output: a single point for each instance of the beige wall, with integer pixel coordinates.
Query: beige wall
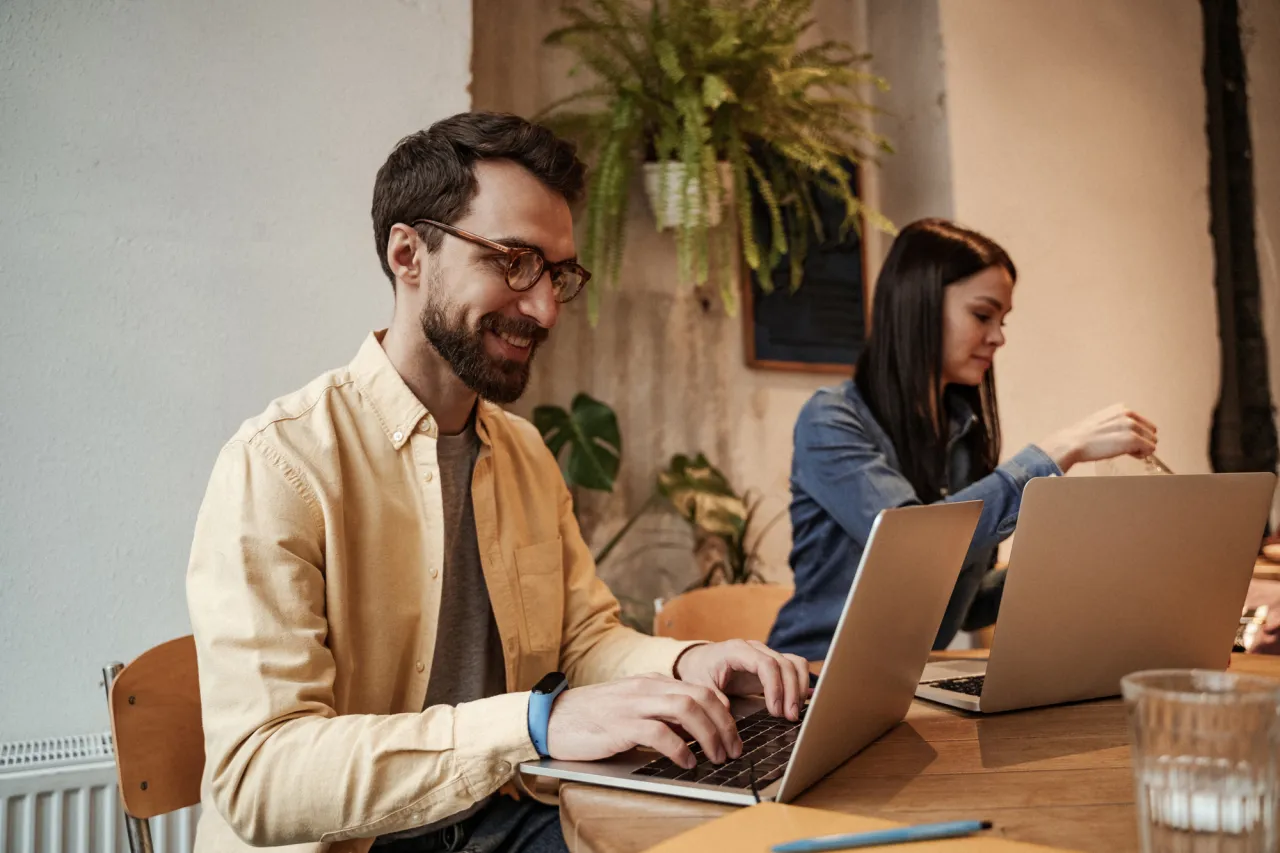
(1072, 133)
(667, 359)
(1077, 141)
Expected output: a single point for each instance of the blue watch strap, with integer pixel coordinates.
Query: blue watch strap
(541, 699)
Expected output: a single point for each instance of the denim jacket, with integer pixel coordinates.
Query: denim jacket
(843, 472)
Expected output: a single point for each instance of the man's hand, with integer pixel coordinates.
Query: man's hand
(749, 668)
(588, 723)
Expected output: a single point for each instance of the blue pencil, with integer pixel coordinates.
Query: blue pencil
(899, 835)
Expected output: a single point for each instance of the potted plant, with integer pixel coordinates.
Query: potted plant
(589, 429)
(722, 520)
(719, 99)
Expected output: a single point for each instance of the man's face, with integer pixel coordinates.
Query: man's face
(487, 332)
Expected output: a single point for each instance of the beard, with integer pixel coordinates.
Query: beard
(500, 380)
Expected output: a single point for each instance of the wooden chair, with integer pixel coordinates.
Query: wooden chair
(726, 612)
(154, 704)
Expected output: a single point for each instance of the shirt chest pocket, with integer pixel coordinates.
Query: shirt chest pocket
(542, 592)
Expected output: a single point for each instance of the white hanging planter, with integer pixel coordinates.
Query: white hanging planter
(672, 172)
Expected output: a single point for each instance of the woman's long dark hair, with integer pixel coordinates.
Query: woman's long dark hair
(899, 372)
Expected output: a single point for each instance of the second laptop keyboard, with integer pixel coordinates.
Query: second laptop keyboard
(970, 685)
(767, 742)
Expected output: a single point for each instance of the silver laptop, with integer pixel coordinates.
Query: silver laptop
(1110, 575)
(890, 618)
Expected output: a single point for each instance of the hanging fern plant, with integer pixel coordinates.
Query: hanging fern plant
(721, 101)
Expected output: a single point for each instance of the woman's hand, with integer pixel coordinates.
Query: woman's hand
(1114, 431)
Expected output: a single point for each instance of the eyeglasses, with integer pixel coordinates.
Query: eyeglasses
(525, 265)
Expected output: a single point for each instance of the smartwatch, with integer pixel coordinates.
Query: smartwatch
(541, 699)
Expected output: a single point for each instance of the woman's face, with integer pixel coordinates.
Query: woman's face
(973, 312)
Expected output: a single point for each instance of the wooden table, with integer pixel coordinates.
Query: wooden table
(1058, 776)
(1265, 569)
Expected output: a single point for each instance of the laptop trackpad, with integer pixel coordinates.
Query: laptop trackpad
(953, 669)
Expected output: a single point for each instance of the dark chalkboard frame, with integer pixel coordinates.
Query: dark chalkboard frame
(751, 291)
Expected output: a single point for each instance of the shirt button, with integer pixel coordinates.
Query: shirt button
(428, 476)
(435, 573)
(504, 767)
(397, 435)
(426, 424)
(511, 645)
(419, 666)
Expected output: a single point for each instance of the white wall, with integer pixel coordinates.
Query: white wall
(184, 235)
(1077, 141)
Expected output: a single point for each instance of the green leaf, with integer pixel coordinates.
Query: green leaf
(701, 494)
(725, 46)
(590, 430)
(695, 81)
(669, 60)
(720, 515)
(715, 91)
(685, 479)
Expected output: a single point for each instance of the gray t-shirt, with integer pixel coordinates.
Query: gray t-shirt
(467, 663)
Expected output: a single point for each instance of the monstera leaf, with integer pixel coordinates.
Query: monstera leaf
(590, 430)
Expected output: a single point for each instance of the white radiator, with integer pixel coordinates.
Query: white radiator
(59, 796)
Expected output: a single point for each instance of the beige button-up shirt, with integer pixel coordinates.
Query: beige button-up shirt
(314, 590)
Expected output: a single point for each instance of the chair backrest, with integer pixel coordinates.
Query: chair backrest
(155, 724)
(726, 612)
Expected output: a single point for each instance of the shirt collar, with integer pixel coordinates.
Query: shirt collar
(398, 409)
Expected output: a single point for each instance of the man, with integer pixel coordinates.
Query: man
(386, 563)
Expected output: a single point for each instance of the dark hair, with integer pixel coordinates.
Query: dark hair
(431, 174)
(899, 371)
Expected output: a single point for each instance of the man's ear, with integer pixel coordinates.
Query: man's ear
(406, 256)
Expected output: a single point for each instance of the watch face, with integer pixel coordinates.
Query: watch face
(549, 682)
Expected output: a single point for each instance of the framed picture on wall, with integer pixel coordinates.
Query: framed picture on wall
(822, 326)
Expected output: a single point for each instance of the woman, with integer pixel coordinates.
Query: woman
(918, 424)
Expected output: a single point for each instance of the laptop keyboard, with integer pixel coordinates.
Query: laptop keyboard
(970, 685)
(767, 742)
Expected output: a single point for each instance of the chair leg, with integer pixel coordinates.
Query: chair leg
(138, 831)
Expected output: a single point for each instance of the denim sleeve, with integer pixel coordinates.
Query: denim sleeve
(844, 471)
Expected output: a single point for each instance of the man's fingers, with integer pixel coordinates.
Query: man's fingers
(696, 710)
(789, 683)
(657, 735)
(716, 705)
(802, 674)
(688, 714)
(769, 671)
